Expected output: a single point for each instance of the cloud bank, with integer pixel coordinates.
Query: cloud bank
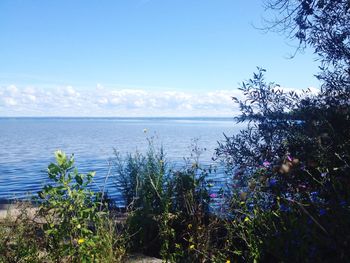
(68, 101)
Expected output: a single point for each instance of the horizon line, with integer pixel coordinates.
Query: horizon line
(116, 117)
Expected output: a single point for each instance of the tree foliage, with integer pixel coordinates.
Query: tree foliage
(292, 161)
(323, 25)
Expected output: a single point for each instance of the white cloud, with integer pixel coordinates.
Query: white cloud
(101, 101)
(8, 101)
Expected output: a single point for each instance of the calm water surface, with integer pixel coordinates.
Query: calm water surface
(27, 145)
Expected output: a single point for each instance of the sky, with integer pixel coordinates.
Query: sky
(129, 58)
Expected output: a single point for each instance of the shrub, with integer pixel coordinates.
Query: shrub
(168, 207)
(293, 175)
(77, 224)
(141, 180)
(20, 236)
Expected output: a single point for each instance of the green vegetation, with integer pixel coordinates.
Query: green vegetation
(164, 204)
(289, 199)
(71, 224)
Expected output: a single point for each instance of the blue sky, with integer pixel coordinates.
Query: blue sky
(137, 57)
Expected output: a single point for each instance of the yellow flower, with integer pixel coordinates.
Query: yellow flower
(191, 246)
(246, 219)
(177, 245)
(189, 226)
(81, 241)
(228, 261)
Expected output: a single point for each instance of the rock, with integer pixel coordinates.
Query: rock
(139, 258)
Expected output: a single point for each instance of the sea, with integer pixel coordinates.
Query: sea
(27, 146)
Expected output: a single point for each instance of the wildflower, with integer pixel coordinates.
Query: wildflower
(81, 240)
(322, 212)
(177, 245)
(189, 226)
(284, 208)
(272, 182)
(191, 246)
(266, 164)
(289, 158)
(228, 261)
(247, 219)
(323, 174)
(213, 195)
(313, 196)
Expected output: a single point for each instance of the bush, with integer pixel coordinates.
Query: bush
(292, 184)
(141, 180)
(77, 223)
(20, 236)
(168, 208)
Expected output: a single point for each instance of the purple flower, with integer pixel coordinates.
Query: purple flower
(342, 203)
(323, 174)
(266, 164)
(313, 196)
(322, 212)
(284, 208)
(213, 195)
(272, 182)
(289, 158)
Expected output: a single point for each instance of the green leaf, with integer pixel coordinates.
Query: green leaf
(79, 179)
(91, 174)
(53, 170)
(61, 157)
(41, 194)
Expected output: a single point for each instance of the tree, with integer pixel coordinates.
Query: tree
(323, 25)
(293, 158)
